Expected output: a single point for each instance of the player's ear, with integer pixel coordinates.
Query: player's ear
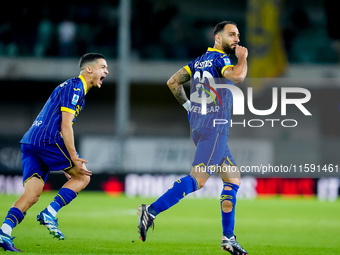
(88, 69)
(218, 38)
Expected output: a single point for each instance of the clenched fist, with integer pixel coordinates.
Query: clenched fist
(241, 52)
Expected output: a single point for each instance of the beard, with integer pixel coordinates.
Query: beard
(227, 48)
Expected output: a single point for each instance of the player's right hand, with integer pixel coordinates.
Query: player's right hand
(241, 52)
(80, 166)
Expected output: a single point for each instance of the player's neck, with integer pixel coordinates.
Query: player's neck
(218, 47)
(87, 79)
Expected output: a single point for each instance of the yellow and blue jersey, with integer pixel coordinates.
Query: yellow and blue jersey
(206, 71)
(68, 97)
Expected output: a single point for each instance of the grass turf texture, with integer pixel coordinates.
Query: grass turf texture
(95, 223)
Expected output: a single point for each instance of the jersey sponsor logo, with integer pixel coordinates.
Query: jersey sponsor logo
(208, 92)
(205, 93)
(37, 123)
(63, 84)
(211, 109)
(75, 99)
(76, 89)
(200, 65)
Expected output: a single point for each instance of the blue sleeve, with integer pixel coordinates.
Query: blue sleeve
(69, 97)
(190, 68)
(223, 63)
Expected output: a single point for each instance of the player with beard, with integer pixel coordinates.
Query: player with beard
(212, 152)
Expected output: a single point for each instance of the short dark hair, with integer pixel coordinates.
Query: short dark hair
(220, 26)
(89, 57)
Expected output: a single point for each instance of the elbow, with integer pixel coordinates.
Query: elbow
(170, 83)
(238, 79)
(235, 78)
(64, 127)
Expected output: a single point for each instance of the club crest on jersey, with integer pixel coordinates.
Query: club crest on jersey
(75, 99)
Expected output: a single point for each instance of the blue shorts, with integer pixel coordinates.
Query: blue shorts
(212, 149)
(38, 161)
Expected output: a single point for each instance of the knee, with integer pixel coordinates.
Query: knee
(81, 181)
(81, 178)
(85, 179)
(33, 199)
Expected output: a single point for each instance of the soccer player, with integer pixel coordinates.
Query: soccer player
(212, 153)
(49, 146)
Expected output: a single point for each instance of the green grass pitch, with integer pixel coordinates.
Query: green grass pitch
(96, 223)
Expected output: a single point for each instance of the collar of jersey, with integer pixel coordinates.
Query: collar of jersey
(84, 83)
(212, 49)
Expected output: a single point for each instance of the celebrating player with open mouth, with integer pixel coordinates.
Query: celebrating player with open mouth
(49, 146)
(212, 150)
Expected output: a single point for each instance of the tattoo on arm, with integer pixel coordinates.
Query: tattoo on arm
(181, 76)
(179, 94)
(176, 87)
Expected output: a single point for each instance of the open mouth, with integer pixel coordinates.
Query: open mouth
(101, 79)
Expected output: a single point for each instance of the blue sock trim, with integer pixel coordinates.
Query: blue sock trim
(14, 217)
(195, 182)
(180, 189)
(64, 197)
(232, 185)
(228, 219)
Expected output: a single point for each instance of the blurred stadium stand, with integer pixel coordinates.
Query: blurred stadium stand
(40, 46)
(168, 30)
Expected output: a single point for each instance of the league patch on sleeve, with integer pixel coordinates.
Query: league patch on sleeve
(75, 99)
(227, 61)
